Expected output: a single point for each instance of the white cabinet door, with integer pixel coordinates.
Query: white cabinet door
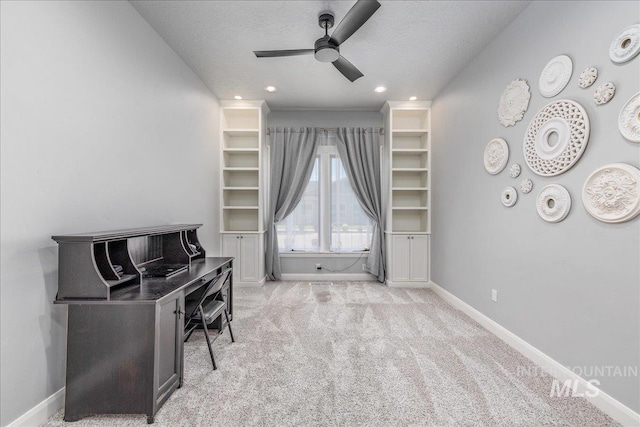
(401, 258)
(249, 257)
(419, 258)
(231, 247)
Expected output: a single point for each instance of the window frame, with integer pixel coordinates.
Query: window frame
(324, 153)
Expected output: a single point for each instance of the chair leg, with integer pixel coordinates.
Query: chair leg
(226, 314)
(206, 335)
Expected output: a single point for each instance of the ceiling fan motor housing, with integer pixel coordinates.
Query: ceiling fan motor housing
(326, 50)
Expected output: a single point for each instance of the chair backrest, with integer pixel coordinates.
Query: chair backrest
(219, 282)
(211, 288)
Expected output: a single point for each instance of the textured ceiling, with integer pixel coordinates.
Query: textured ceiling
(411, 47)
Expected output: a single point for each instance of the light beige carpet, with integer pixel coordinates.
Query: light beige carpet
(357, 354)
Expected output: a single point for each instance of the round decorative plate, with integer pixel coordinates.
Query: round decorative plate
(553, 203)
(556, 138)
(629, 119)
(555, 76)
(513, 103)
(604, 93)
(526, 186)
(496, 155)
(509, 196)
(514, 170)
(588, 77)
(626, 45)
(612, 193)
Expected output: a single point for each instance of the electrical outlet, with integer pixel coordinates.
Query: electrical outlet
(494, 295)
(364, 267)
(318, 266)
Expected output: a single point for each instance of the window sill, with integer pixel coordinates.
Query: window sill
(303, 254)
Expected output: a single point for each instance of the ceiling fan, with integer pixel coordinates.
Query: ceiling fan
(327, 48)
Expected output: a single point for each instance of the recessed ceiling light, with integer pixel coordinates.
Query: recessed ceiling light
(237, 97)
(380, 89)
(413, 98)
(270, 88)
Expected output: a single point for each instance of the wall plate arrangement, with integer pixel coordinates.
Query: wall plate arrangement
(604, 93)
(513, 103)
(588, 77)
(496, 155)
(526, 186)
(626, 45)
(556, 137)
(509, 196)
(514, 170)
(555, 76)
(553, 203)
(629, 119)
(612, 193)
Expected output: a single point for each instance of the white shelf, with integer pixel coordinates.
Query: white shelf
(241, 207)
(409, 208)
(240, 169)
(241, 150)
(241, 132)
(410, 150)
(409, 170)
(410, 189)
(240, 188)
(409, 132)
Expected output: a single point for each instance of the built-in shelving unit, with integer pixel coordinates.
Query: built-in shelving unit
(244, 170)
(407, 166)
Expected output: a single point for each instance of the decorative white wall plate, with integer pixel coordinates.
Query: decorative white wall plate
(588, 77)
(629, 119)
(555, 76)
(626, 45)
(514, 170)
(604, 93)
(556, 138)
(496, 155)
(514, 102)
(553, 203)
(509, 196)
(526, 186)
(612, 193)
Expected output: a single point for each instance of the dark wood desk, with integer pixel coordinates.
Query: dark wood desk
(125, 351)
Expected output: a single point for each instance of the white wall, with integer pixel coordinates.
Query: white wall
(570, 289)
(103, 127)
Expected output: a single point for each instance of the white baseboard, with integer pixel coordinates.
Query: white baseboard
(607, 404)
(239, 284)
(414, 285)
(40, 413)
(324, 277)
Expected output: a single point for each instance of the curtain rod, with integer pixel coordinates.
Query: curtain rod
(328, 130)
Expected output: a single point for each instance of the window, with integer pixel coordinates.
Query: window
(328, 217)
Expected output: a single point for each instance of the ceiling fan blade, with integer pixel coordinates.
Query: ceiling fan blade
(347, 69)
(354, 19)
(275, 53)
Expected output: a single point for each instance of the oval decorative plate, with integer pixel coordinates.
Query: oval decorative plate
(526, 186)
(553, 203)
(629, 119)
(612, 193)
(588, 77)
(556, 138)
(604, 93)
(626, 45)
(496, 155)
(555, 76)
(514, 102)
(509, 196)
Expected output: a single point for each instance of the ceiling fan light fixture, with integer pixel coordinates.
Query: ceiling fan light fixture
(326, 50)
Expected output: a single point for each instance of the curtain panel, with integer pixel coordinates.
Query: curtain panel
(292, 152)
(359, 150)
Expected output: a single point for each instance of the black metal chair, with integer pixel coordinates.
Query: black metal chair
(204, 309)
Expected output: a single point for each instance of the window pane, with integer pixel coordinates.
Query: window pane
(300, 231)
(350, 228)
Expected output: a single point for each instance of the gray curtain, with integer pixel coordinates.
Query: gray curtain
(359, 150)
(292, 153)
